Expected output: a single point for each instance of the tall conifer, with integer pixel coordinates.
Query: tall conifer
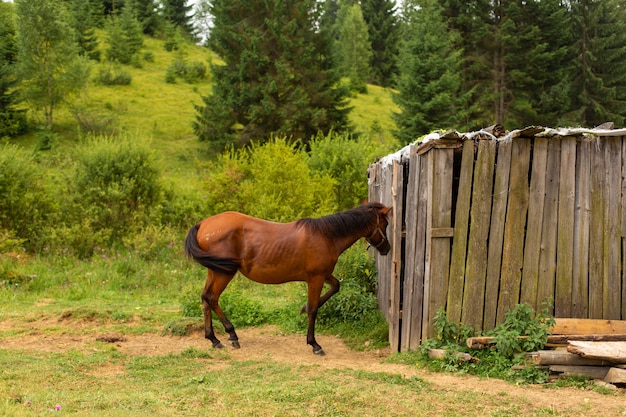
(384, 35)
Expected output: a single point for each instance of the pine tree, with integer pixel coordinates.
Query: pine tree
(277, 78)
(125, 36)
(429, 86)
(11, 120)
(384, 35)
(180, 13)
(84, 21)
(355, 49)
(599, 93)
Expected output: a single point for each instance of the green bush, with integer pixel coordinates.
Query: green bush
(118, 184)
(114, 76)
(27, 205)
(271, 181)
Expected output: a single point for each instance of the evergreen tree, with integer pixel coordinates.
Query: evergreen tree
(599, 93)
(84, 17)
(48, 57)
(355, 49)
(429, 86)
(180, 13)
(147, 14)
(11, 120)
(125, 36)
(536, 59)
(277, 77)
(384, 35)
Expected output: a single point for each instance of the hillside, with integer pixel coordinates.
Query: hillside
(164, 112)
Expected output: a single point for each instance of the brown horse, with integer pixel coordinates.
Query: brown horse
(274, 253)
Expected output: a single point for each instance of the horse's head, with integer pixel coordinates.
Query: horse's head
(378, 238)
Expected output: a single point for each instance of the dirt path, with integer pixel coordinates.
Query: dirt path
(268, 343)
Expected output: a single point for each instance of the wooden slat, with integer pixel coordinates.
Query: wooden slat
(411, 300)
(623, 225)
(596, 231)
(428, 165)
(588, 326)
(582, 215)
(441, 217)
(496, 233)
(532, 246)
(396, 255)
(461, 231)
(610, 351)
(476, 267)
(565, 237)
(513, 245)
(611, 304)
(547, 258)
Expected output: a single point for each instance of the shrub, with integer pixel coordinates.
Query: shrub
(114, 76)
(191, 72)
(118, 184)
(27, 203)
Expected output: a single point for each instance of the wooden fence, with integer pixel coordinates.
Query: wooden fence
(481, 224)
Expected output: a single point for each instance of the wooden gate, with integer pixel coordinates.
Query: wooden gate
(481, 224)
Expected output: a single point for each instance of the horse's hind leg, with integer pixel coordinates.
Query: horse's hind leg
(215, 285)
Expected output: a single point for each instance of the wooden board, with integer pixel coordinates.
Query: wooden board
(611, 298)
(441, 217)
(396, 256)
(565, 234)
(593, 372)
(412, 290)
(547, 257)
(588, 326)
(496, 233)
(513, 244)
(596, 231)
(610, 351)
(476, 266)
(532, 245)
(461, 231)
(580, 282)
(563, 357)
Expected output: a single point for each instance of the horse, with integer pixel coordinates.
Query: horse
(274, 253)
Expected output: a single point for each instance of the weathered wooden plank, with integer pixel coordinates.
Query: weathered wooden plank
(412, 295)
(611, 304)
(623, 225)
(513, 245)
(610, 351)
(582, 216)
(428, 162)
(547, 258)
(588, 326)
(596, 230)
(615, 376)
(532, 245)
(461, 231)
(441, 217)
(563, 357)
(496, 233)
(554, 340)
(396, 255)
(593, 372)
(476, 267)
(565, 238)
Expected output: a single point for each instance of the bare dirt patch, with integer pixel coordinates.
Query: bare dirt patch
(268, 343)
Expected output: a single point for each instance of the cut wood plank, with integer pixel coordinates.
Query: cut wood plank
(481, 342)
(588, 326)
(593, 372)
(563, 357)
(610, 351)
(616, 376)
(459, 356)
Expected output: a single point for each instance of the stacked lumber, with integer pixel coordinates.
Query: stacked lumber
(594, 349)
(589, 348)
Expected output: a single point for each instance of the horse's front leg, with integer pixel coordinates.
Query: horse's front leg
(315, 289)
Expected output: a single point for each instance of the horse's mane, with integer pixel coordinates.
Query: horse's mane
(357, 220)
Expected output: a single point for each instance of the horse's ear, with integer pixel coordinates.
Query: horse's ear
(386, 211)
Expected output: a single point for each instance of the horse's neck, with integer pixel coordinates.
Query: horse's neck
(344, 243)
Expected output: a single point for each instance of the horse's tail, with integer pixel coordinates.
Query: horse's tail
(227, 266)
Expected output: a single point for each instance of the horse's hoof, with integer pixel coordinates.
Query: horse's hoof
(319, 352)
(218, 345)
(235, 344)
